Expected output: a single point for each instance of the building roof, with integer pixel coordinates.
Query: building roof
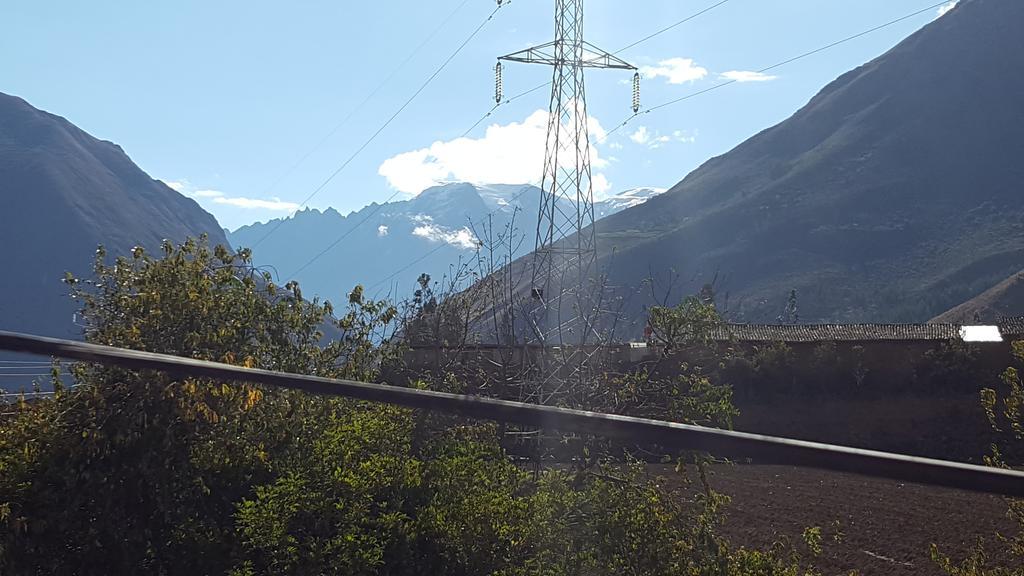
(836, 332)
(1012, 328)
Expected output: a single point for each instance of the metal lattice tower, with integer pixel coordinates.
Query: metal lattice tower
(565, 249)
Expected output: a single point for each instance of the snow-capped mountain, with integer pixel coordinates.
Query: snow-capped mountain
(387, 246)
(623, 200)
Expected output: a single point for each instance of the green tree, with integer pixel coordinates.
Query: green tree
(692, 322)
(137, 471)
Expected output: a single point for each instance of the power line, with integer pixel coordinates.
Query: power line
(671, 26)
(444, 242)
(388, 121)
(338, 240)
(671, 435)
(780, 64)
(358, 107)
(677, 100)
(623, 49)
(503, 102)
(511, 99)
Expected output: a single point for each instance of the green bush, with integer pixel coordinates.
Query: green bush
(952, 367)
(139, 472)
(1006, 415)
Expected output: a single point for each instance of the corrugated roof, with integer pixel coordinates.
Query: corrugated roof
(836, 332)
(1012, 327)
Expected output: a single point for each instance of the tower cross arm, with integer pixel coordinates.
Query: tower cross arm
(542, 54)
(548, 54)
(594, 57)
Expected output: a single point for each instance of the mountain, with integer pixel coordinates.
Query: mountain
(623, 200)
(385, 247)
(1004, 300)
(893, 195)
(64, 192)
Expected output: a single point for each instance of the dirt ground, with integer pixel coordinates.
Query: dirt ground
(887, 526)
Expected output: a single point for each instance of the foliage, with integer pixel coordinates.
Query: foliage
(691, 322)
(1004, 414)
(948, 368)
(790, 315)
(688, 396)
(134, 471)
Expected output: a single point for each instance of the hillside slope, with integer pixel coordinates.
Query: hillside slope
(1005, 299)
(892, 195)
(63, 193)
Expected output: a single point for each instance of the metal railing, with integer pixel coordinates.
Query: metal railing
(671, 435)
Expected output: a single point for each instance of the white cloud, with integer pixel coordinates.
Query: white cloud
(177, 186)
(947, 7)
(511, 153)
(600, 185)
(747, 76)
(274, 204)
(185, 188)
(596, 131)
(640, 136)
(205, 194)
(676, 70)
(382, 230)
(461, 238)
(645, 137)
(659, 141)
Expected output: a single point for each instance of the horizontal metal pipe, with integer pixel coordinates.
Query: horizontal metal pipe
(736, 445)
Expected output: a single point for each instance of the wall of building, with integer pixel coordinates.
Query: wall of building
(917, 397)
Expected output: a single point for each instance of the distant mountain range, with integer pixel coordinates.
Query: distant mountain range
(892, 196)
(65, 192)
(385, 247)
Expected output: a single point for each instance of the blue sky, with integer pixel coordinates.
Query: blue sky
(222, 99)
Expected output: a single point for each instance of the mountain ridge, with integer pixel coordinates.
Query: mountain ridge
(889, 196)
(66, 192)
(398, 233)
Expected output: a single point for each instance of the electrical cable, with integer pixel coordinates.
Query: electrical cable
(490, 112)
(387, 123)
(623, 49)
(359, 107)
(778, 64)
(669, 27)
(444, 243)
(344, 235)
(503, 102)
(646, 111)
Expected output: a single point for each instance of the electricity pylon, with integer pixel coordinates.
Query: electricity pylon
(565, 249)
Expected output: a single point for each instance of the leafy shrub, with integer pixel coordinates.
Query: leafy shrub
(1005, 415)
(141, 472)
(953, 366)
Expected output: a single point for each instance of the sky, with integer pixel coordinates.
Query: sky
(251, 107)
